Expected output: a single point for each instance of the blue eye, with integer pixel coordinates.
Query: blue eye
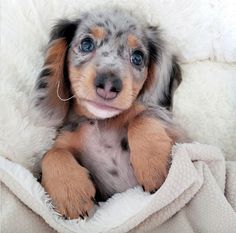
(87, 45)
(137, 58)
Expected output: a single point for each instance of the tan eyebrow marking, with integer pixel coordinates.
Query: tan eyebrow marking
(132, 41)
(98, 32)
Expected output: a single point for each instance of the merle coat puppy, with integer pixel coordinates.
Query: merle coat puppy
(106, 78)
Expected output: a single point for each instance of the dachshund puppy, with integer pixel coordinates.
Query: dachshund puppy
(105, 81)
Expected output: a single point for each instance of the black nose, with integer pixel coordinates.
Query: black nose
(107, 86)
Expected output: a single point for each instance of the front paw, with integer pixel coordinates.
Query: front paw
(150, 172)
(72, 191)
(150, 148)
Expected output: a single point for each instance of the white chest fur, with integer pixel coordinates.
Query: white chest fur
(106, 156)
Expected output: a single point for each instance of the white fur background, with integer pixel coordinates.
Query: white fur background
(203, 32)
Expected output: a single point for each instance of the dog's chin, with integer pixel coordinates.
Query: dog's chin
(101, 111)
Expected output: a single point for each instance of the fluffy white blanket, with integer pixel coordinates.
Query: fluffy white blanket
(197, 173)
(203, 32)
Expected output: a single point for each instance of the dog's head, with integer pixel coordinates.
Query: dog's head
(106, 61)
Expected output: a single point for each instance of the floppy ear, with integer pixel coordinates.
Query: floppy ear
(164, 73)
(53, 79)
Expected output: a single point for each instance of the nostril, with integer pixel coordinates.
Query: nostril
(100, 85)
(113, 89)
(116, 86)
(100, 82)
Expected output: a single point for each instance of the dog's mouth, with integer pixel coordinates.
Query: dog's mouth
(100, 109)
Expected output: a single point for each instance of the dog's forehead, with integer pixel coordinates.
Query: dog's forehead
(115, 22)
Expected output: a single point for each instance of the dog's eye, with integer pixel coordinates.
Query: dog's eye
(87, 45)
(137, 58)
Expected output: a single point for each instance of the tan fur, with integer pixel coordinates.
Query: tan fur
(82, 111)
(82, 80)
(68, 183)
(55, 61)
(71, 141)
(151, 77)
(132, 41)
(126, 117)
(138, 85)
(150, 148)
(98, 32)
(125, 97)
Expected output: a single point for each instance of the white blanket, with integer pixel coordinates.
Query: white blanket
(199, 193)
(195, 185)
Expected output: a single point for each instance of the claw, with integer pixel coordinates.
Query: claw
(152, 192)
(143, 188)
(86, 212)
(81, 216)
(94, 201)
(64, 216)
(91, 177)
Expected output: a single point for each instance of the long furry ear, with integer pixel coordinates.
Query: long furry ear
(164, 74)
(53, 80)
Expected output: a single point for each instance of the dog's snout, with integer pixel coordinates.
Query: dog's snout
(107, 86)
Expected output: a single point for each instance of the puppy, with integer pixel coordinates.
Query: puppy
(106, 78)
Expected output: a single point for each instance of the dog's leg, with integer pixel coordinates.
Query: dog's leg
(150, 148)
(67, 183)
